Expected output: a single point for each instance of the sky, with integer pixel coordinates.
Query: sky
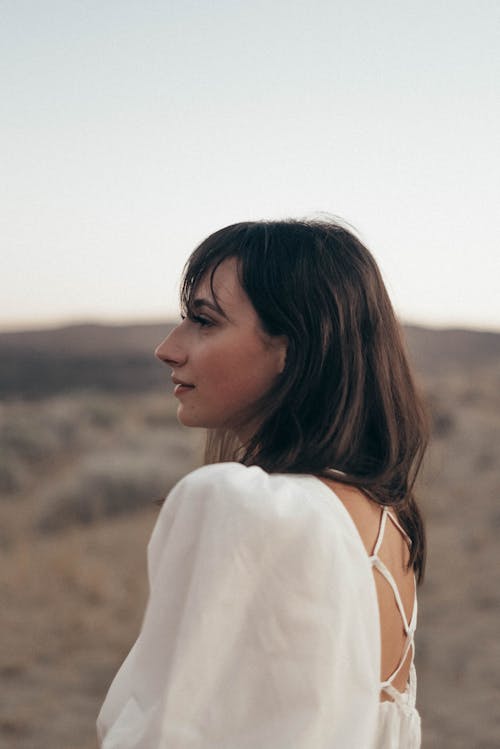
(130, 131)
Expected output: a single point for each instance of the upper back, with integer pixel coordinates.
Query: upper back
(393, 553)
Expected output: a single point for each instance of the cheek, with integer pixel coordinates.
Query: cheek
(240, 373)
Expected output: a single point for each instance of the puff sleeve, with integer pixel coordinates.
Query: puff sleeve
(261, 628)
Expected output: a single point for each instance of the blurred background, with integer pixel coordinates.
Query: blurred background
(129, 132)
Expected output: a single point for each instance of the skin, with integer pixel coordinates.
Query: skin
(230, 360)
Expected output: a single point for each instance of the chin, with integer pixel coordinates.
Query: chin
(186, 422)
(189, 420)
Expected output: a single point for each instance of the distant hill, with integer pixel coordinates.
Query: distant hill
(120, 358)
(439, 350)
(87, 339)
(114, 358)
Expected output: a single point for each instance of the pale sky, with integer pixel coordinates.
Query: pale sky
(132, 130)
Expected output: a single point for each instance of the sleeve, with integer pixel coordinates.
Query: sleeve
(259, 629)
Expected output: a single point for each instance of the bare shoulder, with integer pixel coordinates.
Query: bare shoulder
(366, 515)
(363, 510)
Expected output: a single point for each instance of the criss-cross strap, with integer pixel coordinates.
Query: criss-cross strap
(409, 626)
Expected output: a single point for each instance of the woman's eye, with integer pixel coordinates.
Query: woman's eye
(201, 321)
(204, 322)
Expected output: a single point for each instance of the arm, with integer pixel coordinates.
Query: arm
(255, 633)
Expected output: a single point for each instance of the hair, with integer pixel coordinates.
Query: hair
(346, 399)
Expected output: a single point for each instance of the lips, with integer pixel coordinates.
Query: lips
(180, 382)
(180, 390)
(181, 387)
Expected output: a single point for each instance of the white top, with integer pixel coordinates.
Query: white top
(262, 626)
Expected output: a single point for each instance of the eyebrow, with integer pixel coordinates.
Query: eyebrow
(197, 303)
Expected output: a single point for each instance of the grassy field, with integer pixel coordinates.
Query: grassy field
(78, 476)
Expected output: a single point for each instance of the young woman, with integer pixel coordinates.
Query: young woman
(283, 573)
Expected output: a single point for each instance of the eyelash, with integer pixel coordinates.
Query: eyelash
(195, 318)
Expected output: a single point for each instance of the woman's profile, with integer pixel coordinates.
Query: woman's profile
(283, 572)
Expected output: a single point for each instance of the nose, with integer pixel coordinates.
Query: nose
(169, 352)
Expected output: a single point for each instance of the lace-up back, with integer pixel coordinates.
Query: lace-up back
(409, 626)
(399, 721)
(399, 724)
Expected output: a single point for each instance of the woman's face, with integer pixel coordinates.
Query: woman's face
(227, 358)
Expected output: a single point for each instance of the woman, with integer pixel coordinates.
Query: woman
(283, 572)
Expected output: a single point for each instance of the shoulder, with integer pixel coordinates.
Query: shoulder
(252, 504)
(249, 490)
(283, 535)
(214, 479)
(220, 485)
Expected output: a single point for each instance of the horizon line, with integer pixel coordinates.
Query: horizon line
(37, 327)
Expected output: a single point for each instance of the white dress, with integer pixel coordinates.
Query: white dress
(262, 626)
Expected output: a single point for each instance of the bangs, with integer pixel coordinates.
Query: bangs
(190, 284)
(206, 258)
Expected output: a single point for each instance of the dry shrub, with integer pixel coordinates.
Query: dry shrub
(31, 438)
(442, 420)
(13, 474)
(110, 483)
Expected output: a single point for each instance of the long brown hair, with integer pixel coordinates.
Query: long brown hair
(346, 398)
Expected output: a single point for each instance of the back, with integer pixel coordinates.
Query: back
(387, 546)
(391, 557)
